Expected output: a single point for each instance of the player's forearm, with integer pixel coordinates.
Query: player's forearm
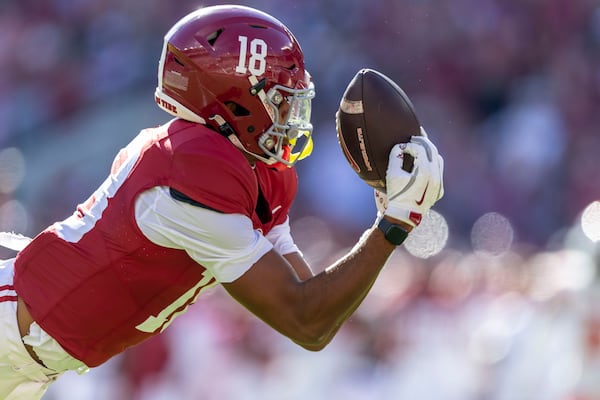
(332, 296)
(311, 311)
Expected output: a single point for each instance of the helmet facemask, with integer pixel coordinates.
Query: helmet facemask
(289, 138)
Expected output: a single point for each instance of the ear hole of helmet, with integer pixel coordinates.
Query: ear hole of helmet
(236, 109)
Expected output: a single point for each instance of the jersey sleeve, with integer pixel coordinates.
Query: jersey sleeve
(210, 171)
(225, 244)
(281, 238)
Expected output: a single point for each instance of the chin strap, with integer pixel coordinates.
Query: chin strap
(226, 130)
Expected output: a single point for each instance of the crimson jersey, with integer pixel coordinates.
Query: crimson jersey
(97, 285)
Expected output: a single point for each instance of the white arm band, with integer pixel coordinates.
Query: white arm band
(281, 238)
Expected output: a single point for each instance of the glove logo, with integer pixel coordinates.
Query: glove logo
(415, 217)
(419, 202)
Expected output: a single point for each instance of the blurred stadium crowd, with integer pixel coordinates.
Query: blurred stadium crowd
(494, 297)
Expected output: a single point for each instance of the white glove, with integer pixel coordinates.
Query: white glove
(412, 194)
(381, 202)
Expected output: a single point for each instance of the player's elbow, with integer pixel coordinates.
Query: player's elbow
(312, 343)
(316, 346)
(312, 334)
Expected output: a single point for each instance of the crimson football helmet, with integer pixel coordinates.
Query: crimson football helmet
(241, 71)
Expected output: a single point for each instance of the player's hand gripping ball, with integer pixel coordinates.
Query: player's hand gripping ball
(374, 115)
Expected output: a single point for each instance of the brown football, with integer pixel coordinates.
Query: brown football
(374, 115)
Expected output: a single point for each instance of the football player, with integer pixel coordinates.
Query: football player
(200, 201)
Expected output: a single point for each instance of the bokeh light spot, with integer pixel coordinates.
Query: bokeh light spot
(429, 238)
(13, 217)
(590, 221)
(12, 169)
(492, 234)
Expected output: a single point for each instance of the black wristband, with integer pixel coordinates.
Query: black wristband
(395, 234)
